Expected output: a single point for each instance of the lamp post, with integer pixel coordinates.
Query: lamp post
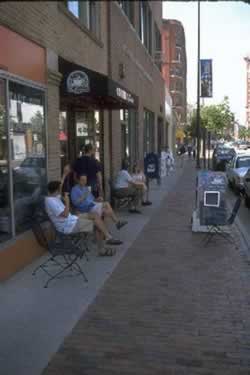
(198, 95)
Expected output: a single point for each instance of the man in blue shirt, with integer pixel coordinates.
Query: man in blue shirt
(84, 201)
(89, 166)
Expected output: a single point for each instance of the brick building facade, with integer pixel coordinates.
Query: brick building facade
(174, 67)
(72, 73)
(247, 59)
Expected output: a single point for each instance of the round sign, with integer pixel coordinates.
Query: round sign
(78, 82)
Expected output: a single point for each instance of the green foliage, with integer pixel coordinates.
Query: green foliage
(37, 122)
(244, 133)
(216, 118)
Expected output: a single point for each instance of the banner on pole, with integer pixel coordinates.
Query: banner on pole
(206, 78)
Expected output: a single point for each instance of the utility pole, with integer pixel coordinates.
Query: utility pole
(198, 95)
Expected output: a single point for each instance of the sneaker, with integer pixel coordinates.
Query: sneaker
(146, 203)
(113, 242)
(121, 224)
(134, 211)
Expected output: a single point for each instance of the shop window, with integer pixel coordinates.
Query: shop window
(145, 30)
(87, 12)
(5, 213)
(158, 46)
(22, 156)
(128, 8)
(88, 130)
(28, 157)
(149, 132)
(129, 136)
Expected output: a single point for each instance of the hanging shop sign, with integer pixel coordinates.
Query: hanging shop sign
(80, 82)
(206, 78)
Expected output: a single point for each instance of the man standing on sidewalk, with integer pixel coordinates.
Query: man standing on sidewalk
(90, 167)
(182, 152)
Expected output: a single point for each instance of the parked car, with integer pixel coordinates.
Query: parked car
(236, 171)
(30, 173)
(247, 188)
(221, 156)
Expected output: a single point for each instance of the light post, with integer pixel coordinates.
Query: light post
(198, 95)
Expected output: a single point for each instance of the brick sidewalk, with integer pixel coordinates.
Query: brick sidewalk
(171, 307)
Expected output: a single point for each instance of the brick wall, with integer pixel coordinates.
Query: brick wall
(50, 25)
(142, 77)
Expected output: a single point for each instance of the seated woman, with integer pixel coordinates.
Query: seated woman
(84, 201)
(59, 214)
(125, 187)
(139, 179)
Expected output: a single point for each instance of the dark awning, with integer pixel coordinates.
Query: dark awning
(82, 88)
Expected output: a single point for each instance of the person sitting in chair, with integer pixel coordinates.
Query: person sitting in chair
(139, 178)
(65, 222)
(126, 187)
(84, 202)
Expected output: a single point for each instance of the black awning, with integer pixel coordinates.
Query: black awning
(82, 87)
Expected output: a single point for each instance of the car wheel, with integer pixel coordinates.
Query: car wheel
(247, 201)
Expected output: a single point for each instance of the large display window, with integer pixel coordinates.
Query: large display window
(22, 155)
(129, 135)
(149, 132)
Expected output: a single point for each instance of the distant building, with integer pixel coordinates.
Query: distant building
(247, 59)
(174, 67)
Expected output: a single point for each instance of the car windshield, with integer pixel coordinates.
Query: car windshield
(243, 162)
(223, 151)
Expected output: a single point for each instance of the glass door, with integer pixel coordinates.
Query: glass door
(88, 131)
(5, 211)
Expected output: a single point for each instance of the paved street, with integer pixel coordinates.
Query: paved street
(170, 307)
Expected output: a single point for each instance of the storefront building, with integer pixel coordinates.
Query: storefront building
(133, 50)
(71, 72)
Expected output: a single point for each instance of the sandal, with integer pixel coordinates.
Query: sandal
(107, 252)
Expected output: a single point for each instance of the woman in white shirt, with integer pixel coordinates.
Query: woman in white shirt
(125, 187)
(139, 179)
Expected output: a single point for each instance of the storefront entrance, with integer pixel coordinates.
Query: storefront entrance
(78, 129)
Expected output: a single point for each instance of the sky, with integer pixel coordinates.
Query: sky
(225, 38)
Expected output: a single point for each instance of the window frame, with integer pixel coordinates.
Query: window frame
(9, 77)
(148, 131)
(128, 9)
(93, 28)
(146, 25)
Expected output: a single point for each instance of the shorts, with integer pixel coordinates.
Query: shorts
(97, 209)
(83, 224)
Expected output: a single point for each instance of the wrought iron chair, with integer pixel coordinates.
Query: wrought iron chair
(219, 230)
(64, 250)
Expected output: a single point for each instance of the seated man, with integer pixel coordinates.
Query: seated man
(125, 187)
(65, 222)
(84, 201)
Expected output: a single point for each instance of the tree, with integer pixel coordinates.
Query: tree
(37, 122)
(216, 118)
(244, 133)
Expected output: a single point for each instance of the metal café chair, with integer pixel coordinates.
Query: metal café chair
(64, 251)
(219, 230)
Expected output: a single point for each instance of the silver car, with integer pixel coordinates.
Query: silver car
(236, 170)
